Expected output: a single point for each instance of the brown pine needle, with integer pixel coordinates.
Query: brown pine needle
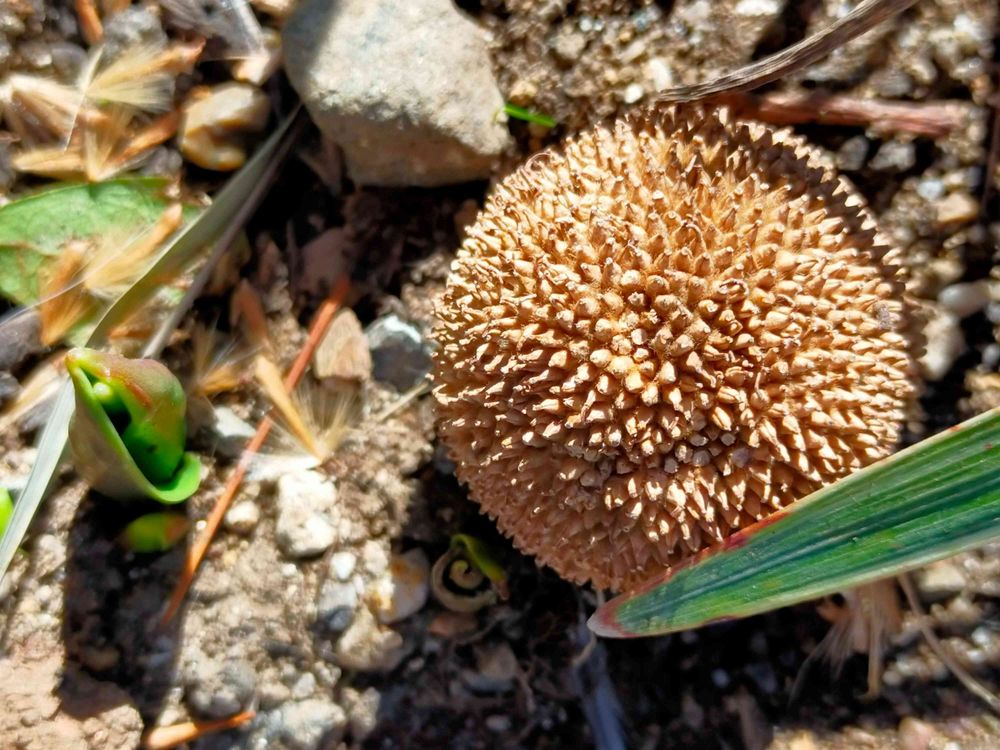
(164, 738)
(64, 302)
(197, 551)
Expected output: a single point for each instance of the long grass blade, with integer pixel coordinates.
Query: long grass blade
(932, 500)
(233, 201)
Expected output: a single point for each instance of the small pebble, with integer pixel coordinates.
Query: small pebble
(403, 590)
(367, 646)
(216, 690)
(633, 93)
(343, 351)
(362, 708)
(496, 669)
(400, 354)
(310, 724)
(945, 344)
(851, 155)
(215, 122)
(342, 565)
(894, 156)
(957, 208)
(498, 724)
(335, 605)
(967, 298)
(304, 686)
(941, 580)
(306, 505)
(915, 734)
(374, 558)
(243, 517)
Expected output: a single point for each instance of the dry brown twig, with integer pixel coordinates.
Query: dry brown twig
(866, 16)
(933, 119)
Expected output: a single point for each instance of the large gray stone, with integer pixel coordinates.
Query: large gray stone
(405, 88)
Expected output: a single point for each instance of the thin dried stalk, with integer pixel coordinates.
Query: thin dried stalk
(866, 16)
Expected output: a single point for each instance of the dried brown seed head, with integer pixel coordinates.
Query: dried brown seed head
(660, 333)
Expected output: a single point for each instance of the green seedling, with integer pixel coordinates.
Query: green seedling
(127, 432)
(154, 532)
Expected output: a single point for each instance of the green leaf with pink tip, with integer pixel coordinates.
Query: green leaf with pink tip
(932, 500)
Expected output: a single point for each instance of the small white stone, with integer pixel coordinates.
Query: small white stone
(304, 686)
(633, 93)
(368, 646)
(306, 503)
(243, 517)
(945, 343)
(964, 299)
(342, 565)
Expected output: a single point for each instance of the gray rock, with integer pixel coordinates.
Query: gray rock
(215, 691)
(400, 355)
(129, 28)
(894, 156)
(851, 154)
(304, 686)
(310, 724)
(966, 298)
(335, 606)
(20, 337)
(367, 646)
(406, 89)
(362, 706)
(306, 503)
(230, 433)
(941, 580)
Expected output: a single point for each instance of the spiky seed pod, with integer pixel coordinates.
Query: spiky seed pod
(661, 332)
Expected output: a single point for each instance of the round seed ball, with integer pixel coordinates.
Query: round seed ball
(659, 333)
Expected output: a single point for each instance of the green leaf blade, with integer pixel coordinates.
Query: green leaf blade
(928, 502)
(37, 227)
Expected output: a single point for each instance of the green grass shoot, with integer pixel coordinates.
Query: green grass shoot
(930, 501)
(520, 113)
